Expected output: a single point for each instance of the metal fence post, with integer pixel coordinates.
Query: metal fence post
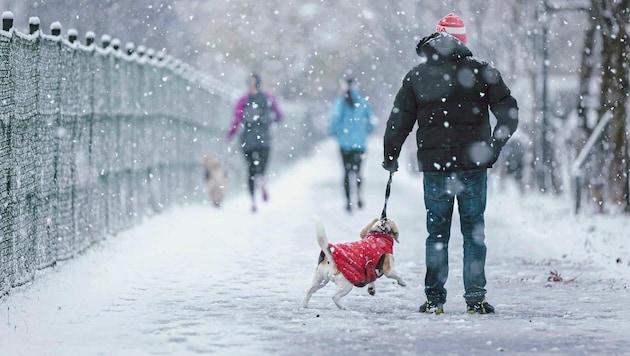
(73, 35)
(116, 44)
(33, 25)
(55, 28)
(105, 40)
(89, 38)
(7, 20)
(130, 47)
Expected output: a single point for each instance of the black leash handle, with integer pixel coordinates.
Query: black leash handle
(388, 190)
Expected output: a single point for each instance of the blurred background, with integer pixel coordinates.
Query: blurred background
(565, 60)
(302, 48)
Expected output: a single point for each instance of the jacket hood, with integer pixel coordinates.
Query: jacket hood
(440, 47)
(356, 96)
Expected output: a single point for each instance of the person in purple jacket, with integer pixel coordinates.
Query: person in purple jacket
(253, 115)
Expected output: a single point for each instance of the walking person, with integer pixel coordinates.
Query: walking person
(350, 124)
(253, 115)
(513, 163)
(449, 94)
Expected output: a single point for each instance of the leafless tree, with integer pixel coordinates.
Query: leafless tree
(608, 171)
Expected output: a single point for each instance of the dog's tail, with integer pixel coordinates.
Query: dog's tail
(322, 240)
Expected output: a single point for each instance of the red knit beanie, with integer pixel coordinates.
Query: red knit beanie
(453, 25)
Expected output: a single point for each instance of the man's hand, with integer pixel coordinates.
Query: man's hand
(496, 150)
(390, 165)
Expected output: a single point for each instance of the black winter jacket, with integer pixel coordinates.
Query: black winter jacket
(448, 95)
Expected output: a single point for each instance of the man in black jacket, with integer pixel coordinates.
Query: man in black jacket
(449, 94)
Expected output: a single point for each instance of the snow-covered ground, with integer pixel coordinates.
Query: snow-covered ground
(228, 282)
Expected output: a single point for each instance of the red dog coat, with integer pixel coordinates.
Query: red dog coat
(358, 260)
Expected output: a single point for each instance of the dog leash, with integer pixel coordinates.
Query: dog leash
(388, 190)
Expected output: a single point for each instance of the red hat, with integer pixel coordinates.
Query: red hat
(453, 25)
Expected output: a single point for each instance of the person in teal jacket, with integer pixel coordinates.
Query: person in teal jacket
(350, 123)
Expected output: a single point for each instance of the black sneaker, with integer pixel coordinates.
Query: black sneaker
(430, 307)
(480, 308)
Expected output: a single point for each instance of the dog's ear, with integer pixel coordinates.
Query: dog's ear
(367, 228)
(394, 228)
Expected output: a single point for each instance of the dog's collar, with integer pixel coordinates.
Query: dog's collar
(379, 234)
(383, 225)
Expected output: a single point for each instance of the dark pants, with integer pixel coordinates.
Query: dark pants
(440, 191)
(256, 165)
(351, 169)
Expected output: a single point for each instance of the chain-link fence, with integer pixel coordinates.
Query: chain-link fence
(92, 140)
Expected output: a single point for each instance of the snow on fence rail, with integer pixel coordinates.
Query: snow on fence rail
(93, 139)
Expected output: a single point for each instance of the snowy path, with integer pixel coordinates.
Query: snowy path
(228, 282)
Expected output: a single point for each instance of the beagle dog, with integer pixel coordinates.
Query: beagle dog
(214, 179)
(355, 264)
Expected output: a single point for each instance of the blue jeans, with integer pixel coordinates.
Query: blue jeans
(440, 191)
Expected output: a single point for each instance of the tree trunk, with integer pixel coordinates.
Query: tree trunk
(586, 74)
(614, 97)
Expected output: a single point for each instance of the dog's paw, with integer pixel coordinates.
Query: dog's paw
(402, 283)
